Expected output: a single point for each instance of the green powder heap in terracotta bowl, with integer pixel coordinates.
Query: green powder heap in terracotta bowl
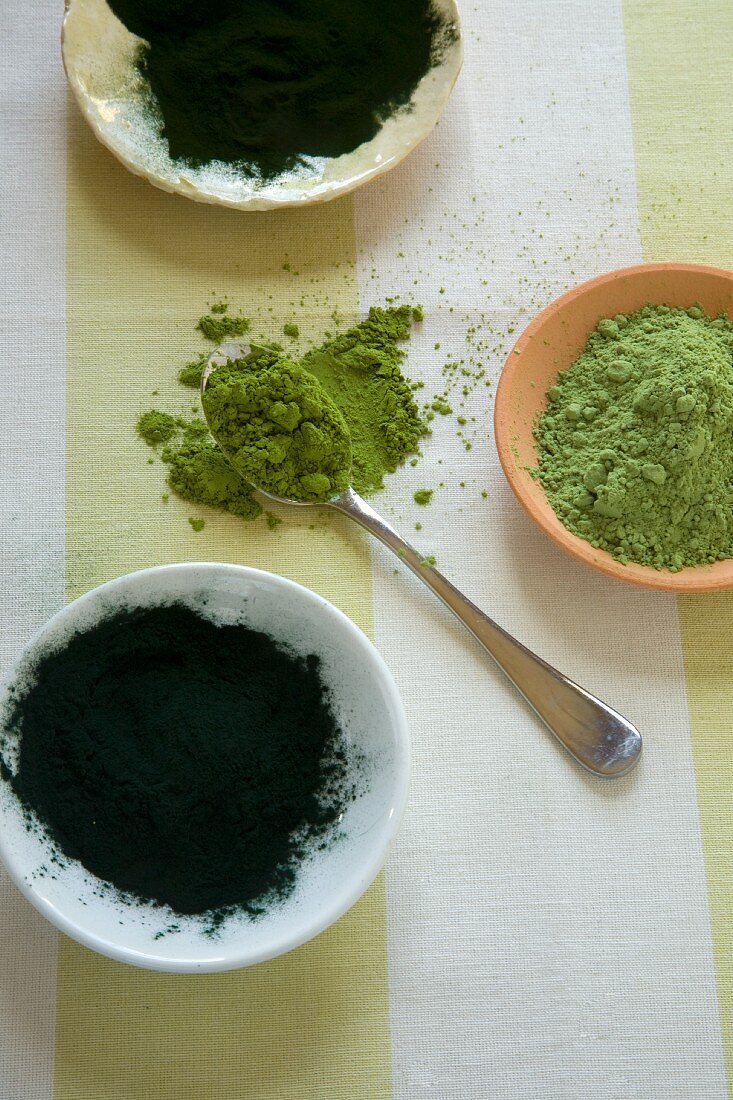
(635, 446)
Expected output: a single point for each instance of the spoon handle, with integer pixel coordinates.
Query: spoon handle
(598, 737)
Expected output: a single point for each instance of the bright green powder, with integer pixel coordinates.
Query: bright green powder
(158, 427)
(198, 472)
(220, 325)
(360, 375)
(635, 446)
(361, 371)
(279, 428)
(190, 373)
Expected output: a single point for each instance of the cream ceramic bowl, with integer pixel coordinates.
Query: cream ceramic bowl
(98, 55)
(552, 342)
(330, 881)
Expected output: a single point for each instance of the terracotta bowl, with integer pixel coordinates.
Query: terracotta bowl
(552, 342)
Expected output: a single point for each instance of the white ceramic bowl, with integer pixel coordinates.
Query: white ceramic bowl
(99, 53)
(329, 882)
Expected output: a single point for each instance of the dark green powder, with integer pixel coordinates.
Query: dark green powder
(264, 83)
(183, 762)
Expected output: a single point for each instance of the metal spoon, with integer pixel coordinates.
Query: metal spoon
(598, 737)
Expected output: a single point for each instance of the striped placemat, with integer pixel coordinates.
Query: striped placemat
(538, 933)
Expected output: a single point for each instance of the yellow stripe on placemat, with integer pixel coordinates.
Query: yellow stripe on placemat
(140, 267)
(679, 58)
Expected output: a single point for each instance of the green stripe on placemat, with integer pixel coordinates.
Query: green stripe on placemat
(679, 58)
(141, 266)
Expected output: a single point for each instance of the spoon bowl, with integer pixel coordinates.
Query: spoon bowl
(599, 738)
(219, 357)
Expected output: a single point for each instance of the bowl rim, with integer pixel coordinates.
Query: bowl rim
(283, 199)
(699, 578)
(342, 900)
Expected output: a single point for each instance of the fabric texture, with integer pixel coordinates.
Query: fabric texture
(538, 932)
(684, 151)
(135, 284)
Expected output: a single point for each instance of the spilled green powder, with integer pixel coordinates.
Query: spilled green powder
(197, 523)
(635, 446)
(361, 371)
(279, 428)
(423, 496)
(157, 427)
(198, 472)
(360, 374)
(190, 374)
(218, 325)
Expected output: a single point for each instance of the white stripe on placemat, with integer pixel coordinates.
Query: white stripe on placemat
(548, 932)
(32, 357)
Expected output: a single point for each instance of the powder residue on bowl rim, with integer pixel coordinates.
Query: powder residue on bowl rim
(635, 445)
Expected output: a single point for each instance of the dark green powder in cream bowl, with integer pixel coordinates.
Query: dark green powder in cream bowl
(635, 445)
(266, 84)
